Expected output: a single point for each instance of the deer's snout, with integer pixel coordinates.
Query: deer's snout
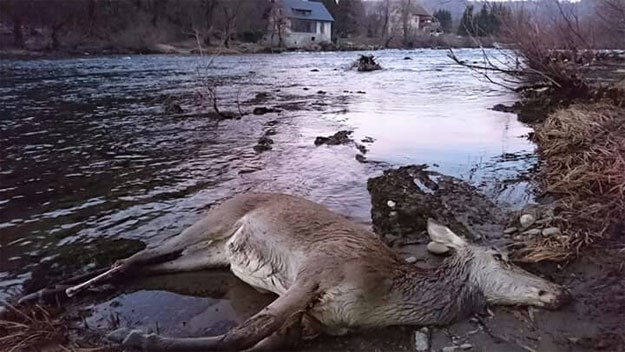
(555, 300)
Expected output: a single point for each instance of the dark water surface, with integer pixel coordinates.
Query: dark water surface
(88, 152)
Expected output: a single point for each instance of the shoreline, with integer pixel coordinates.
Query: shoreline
(166, 49)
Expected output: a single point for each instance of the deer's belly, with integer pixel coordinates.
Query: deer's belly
(259, 265)
(340, 310)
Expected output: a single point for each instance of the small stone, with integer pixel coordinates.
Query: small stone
(551, 231)
(411, 260)
(391, 204)
(437, 248)
(510, 230)
(527, 220)
(532, 232)
(466, 346)
(422, 340)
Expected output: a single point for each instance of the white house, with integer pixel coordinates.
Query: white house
(298, 23)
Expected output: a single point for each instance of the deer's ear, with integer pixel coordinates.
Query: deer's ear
(443, 235)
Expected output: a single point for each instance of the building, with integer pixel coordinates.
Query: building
(422, 19)
(298, 24)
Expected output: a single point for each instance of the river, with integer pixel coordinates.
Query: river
(89, 155)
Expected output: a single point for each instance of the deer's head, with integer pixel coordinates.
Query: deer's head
(496, 277)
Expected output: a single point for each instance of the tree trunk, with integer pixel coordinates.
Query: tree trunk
(18, 34)
(55, 38)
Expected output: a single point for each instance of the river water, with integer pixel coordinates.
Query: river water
(89, 154)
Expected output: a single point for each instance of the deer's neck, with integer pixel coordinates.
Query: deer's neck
(438, 296)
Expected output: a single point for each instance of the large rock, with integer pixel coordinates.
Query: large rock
(418, 194)
(340, 137)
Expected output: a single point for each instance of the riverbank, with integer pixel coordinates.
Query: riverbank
(190, 47)
(581, 143)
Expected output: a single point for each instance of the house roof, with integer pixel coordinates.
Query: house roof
(420, 10)
(313, 10)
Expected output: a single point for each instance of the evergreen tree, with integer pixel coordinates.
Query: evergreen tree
(482, 23)
(445, 20)
(466, 23)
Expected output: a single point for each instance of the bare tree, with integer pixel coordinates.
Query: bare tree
(612, 16)
(230, 10)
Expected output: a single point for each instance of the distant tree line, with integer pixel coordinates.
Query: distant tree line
(68, 22)
(486, 22)
(138, 23)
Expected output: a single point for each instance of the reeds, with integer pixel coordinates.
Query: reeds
(36, 328)
(583, 148)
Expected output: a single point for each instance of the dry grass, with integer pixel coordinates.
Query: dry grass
(583, 147)
(35, 328)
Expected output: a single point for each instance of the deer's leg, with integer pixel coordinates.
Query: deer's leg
(300, 326)
(287, 337)
(123, 266)
(246, 335)
(200, 235)
(213, 256)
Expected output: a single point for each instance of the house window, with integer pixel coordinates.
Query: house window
(301, 12)
(303, 26)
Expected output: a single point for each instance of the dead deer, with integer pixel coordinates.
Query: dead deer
(330, 274)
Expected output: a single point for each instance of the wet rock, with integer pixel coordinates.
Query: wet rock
(411, 260)
(173, 108)
(264, 144)
(314, 70)
(264, 110)
(407, 58)
(391, 204)
(527, 220)
(305, 88)
(449, 349)
(321, 92)
(222, 115)
(551, 231)
(361, 158)
(367, 140)
(340, 137)
(361, 148)
(515, 108)
(259, 98)
(361, 92)
(271, 123)
(532, 232)
(270, 132)
(466, 346)
(420, 194)
(510, 230)
(422, 340)
(437, 248)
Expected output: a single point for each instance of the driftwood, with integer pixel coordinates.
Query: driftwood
(367, 63)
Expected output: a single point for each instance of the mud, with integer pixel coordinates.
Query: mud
(403, 199)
